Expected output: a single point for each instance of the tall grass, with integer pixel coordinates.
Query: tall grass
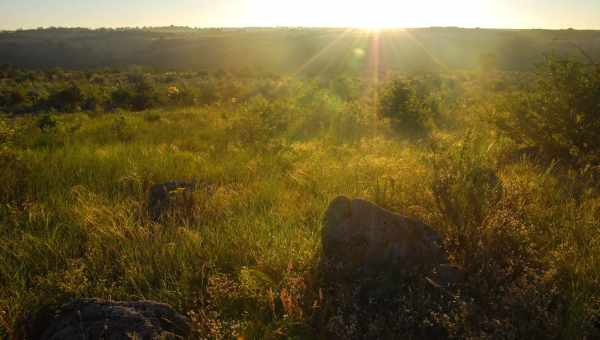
(74, 221)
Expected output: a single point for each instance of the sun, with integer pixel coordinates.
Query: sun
(376, 15)
(372, 15)
(383, 14)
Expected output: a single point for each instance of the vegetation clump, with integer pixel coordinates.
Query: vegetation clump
(80, 152)
(559, 114)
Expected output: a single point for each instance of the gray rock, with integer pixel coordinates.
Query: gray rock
(169, 197)
(94, 319)
(380, 269)
(447, 274)
(359, 235)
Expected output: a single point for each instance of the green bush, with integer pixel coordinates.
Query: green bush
(559, 114)
(15, 97)
(466, 190)
(145, 95)
(47, 122)
(259, 122)
(180, 96)
(408, 112)
(68, 99)
(120, 98)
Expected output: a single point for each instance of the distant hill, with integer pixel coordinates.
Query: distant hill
(291, 50)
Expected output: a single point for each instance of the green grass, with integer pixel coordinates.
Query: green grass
(73, 219)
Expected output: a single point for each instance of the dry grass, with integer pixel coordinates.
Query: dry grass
(74, 224)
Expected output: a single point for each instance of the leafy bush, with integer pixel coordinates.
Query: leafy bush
(180, 96)
(145, 95)
(120, 98)
(559, 114)
(398, 101)
(47, 122)
(259, 122)
(488, 233)
(68, 99)
(466, 190)
(13, 98)
(352, 123)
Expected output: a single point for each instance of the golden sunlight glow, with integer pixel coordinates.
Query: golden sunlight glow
(375, 14)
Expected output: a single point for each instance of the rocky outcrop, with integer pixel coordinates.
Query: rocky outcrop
(361, 236)
(382, 271)
(95, 319)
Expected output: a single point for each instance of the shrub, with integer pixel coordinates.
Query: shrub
(13, 97)
(68, 99)
(47, 122)
(488, 232)
(121, 98)
(398, 101)
(93, 101)
(144, 95)
(259, 122)
(466, 189)
(559, 115)
(180, 96)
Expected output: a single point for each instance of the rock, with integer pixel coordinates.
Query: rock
(169, 197)
(447, 274)
(93, 319)
(358, 234)
(385, 274)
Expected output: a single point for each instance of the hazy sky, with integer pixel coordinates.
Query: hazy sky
(372, 13)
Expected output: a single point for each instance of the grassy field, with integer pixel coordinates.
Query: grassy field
(244, 262)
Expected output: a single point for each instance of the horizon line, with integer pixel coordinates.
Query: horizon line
(387, 28)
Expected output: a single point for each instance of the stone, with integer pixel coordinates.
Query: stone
(95, 319)
(382, 272)
(360, 235)
(168, 197)
(448, 274)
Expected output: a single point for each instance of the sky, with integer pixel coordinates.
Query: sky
(553, 14)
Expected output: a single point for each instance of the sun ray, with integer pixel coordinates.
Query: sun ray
(420, 44)
(322, 51)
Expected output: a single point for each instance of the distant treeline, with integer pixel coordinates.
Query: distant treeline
(136, 89)
(293, 50)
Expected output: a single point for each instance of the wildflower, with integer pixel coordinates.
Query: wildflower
(173, 91)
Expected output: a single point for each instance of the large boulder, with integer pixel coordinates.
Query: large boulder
(170, 198)
(360, 235)
(95, 319)
(386, 275)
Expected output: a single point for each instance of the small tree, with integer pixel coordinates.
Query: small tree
(144, 95)
(13, 98)
(47, 122)
(399, 102)
(68, 99)
(120, 98)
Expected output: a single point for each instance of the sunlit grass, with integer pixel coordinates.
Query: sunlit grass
(245, 264)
